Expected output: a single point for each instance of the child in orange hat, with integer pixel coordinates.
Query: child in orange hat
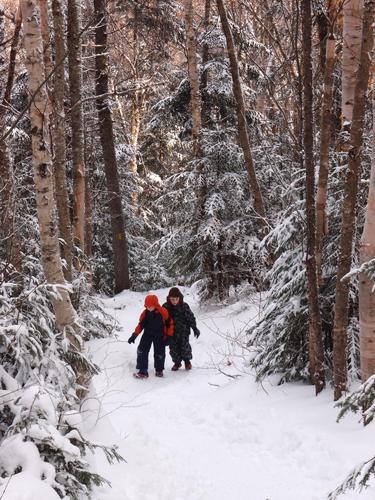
(157, 329)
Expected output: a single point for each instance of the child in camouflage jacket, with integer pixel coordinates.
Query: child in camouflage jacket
(183, 319)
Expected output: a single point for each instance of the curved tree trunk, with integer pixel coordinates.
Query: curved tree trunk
(240, 110)
(316, 356)
(349, 205)
(120, 249)
(75, 86)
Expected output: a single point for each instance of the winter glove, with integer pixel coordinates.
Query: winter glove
(132, 338)
(196, 333)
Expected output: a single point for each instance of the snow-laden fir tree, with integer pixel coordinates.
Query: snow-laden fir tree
(212, 235)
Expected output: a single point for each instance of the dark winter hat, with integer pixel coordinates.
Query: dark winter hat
(175, 292)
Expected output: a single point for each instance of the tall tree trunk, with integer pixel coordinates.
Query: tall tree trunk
(88, 200)
(205, 58)
(352, 10)
(136, 105)
(366, 287)
(349, 204)
(196, 114)
(316, 356)
(47, 52)
(241, 119)
(193, 77)
(120, 250)
(59, 139)
(325, 142)
(66, 318)
(75, 86)
(135, 127)
(7, 203)
(12, 57)
(42, 166)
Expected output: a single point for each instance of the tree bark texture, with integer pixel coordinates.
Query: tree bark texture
(75, 87)
(135, 127)
(352, 28)
(349, 205)
(42, 164)
(195, 100)
(66, 318)
(205, 58)
(241, 119)
(325, 143)
(59, 139)
(316, 356)
(88, 199)
(137, 104)
(47, 52)
(7, 200)
(120, 250)
(366, 287)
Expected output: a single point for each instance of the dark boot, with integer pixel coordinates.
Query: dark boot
(159, 374)
(176, 366)
(141, 375)
(188, 365)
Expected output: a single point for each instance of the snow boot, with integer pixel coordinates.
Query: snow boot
(159, 374)
(176, 366)
(188, 365)
(140, 375)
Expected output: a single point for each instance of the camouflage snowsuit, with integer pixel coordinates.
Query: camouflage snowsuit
(183, 319)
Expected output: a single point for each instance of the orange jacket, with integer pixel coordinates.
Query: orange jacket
(167, 322)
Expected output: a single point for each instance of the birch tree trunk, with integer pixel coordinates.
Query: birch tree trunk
(366, 287)
(75, 86)
(349, 205)
(316, 356)
(59, 139)
(352, 29)
(135, 127)
(120, 250)
(205, 56)
(196, 114)
(66, 317)
(136, 106)
(325, 143)
(240, 111)
(193, 77)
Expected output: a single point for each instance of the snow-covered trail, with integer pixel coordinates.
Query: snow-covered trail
(202, 435)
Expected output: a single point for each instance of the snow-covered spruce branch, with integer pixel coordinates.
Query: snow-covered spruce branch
(362, 400)
(357, 479)
(367, 268)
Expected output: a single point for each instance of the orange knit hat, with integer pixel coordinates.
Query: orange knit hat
(152, 301)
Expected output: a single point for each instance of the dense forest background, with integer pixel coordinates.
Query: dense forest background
(151, 143)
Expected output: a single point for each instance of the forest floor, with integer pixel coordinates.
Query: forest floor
(214, 433)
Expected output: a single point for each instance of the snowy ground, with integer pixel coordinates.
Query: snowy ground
(203, 435)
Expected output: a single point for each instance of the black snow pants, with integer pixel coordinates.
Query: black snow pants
(144, 348)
